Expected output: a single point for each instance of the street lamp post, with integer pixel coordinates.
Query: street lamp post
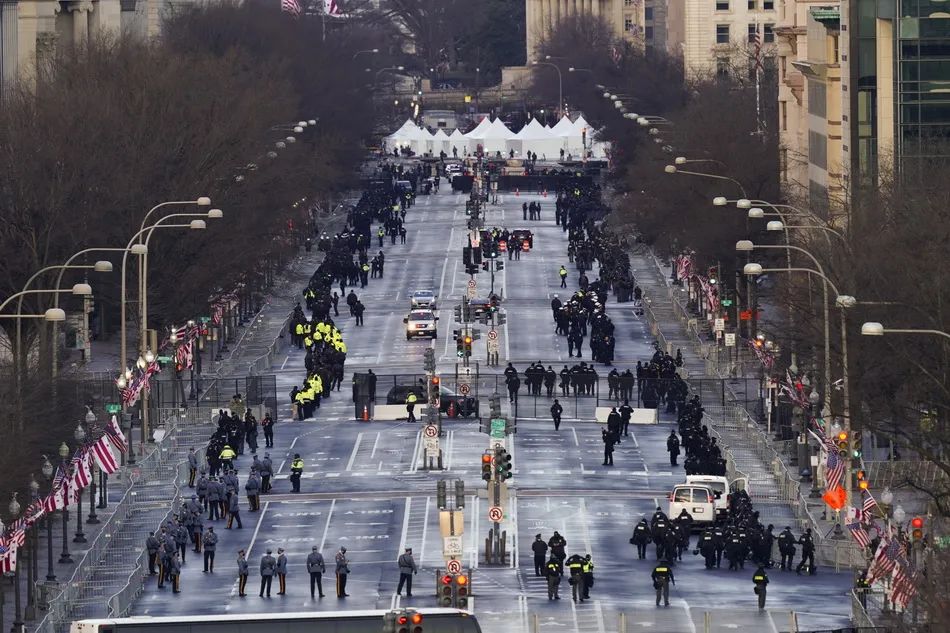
(31, 545)
(93, 518)
(872, 328)
(65, 558)
(673, 169)
(47, 470)
(14, 509)
(80, 537)
(365, 52)
(560, 85)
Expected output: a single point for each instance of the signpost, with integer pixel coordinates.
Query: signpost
(719, 325)
(454, 566)
(431, 430)
(113, 407)
(730, 339)
(452, 547)
(464, 388)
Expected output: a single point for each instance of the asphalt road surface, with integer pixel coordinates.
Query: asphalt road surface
(364, 487)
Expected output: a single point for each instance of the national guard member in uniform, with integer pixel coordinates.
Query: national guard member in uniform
(234, 511)
(175, 571)
(152, 546)
(192, 467)
(662, 577)
(268, 567)
(210, 542)
(342, 571)
(316, 567)
(407, 567)
(242, 574)
(281, 571)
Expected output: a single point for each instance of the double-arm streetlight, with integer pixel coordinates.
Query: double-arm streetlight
(842, 302)
(560, 83)
(47, 470)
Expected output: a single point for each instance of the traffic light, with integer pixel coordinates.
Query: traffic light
(461, 592)
(485, 265)
(445, 590)
(457, 313)
(466, 311)
(499, 265)
(502, 318)
(494, 406)
(486, 467)
(917, 529)
(476, 256)
(402, 621)
(862, 479)
(467, 255)
(428, 360)
(842, 441)
(459, 494)
(467, 341)
(441, 500)
(503, 463)
(713, 274)
(460, 346)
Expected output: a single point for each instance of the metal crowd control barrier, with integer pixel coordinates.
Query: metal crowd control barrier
(266, 361)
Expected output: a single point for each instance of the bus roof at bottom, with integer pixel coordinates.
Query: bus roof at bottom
(433, 621)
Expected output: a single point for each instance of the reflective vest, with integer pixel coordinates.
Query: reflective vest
(661, 570)
(758, 578)
(587, 567)
(576, 568)
(552, 567)
(562, 272)
(227, 453)
(297, 465)
(299, 329)
(380, 232)
(411, 398)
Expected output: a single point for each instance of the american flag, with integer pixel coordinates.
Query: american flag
(756, 43)
(902, 586)
(330, 7)
(885, 559)
(8, 559)
(116, 435)
(834, 468)
(82, 471)
(290, 6)
(859, 533)
(869, 504)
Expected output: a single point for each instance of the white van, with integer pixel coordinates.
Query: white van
(697, 499)
(721, 488)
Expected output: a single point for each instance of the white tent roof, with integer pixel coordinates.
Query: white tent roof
(532, 131)
(565, 127)
(580, 125)
(498, 130)
(440, 135)
(479, 131)
(456, 134)
(407, 127)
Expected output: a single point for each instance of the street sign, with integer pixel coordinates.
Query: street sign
(452, 546)
(204, 319)
(432, 446)
(495, 514)
(492, 335)
(453, 566)
(493, 346)
(471, 292)
(498, 426)
(431, 430)
(472, 283)
(163, 359)
(719, 325)
(730, 339)
(113, 408)
(464, 388)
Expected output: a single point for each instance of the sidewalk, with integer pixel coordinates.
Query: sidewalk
(775, 488)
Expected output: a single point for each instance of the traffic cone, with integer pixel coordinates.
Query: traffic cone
(365, 413)
(517, 192)
(544, 194)
(451, 410)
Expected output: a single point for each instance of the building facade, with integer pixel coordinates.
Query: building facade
(625, 16)
(720, 36)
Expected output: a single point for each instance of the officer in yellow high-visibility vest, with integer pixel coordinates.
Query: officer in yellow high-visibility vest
(563, 273)
(298, 335)
(296, 470)
(662, 577)
(411, 406)
(227, 454)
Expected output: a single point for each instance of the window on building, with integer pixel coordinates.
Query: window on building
(628, 24)
(768, 33)
(768, 5)
(722, 5)
(817, 98)
(783, 113)
(753, 32)
(722, 34)
(722, 67)
(628, 3)
(648, 33)
(752, 5)
(817, 149)
(648, 13)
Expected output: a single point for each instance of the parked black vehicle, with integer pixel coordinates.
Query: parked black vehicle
(462, 406)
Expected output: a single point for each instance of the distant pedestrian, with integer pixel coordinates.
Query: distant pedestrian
(316, 567)
(407, 567)
(556, 411)
(342, 571)
(268, 569)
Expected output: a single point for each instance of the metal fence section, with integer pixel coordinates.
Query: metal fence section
(266, 361)
(108, 571)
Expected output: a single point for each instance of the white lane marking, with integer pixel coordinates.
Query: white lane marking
(405, 524)
(326, 528)
(414, 466)
(473, 559)
(294, 443)
(425, 530)
(356, 448)
(574, 432)
(284, 364)
(257, 528)
(373, 454)
(599, 614)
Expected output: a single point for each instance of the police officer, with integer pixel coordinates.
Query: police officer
(296, 470)
(226, 456)
(587, 568)
(673, 447)
(554, 571)
(316, 567)
(540, 549)
(761, 580)
(152, 546)
(210, 542)
(641, 538)
(707, 547)
(253, 489)
(808, 553)
(407, 567)
(662, 577)
(563, 274)
(786, 547)
(242, 573)
(556, 411)
(281, 571)
(342, 571)
(557, 543)
(575, 565)
(268, 568)
(267, 470)
(411, 406)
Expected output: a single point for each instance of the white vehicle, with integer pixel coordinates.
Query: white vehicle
(421, 323)
(422, 299)
(699, 500)
(453, 169)
(721, 488)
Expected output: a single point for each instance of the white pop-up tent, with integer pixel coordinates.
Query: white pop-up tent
(457, 144)
(496, 138)
(535, 138)
(570, 137)
(440, 142)
(419, 140)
